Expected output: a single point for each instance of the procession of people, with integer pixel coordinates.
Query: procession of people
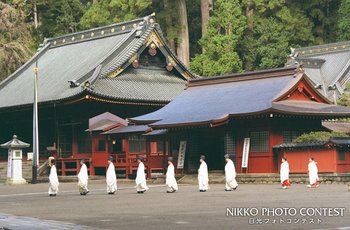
(83, 178)
(170, 182)
(203, 178)
(170, 179)
(284, 173)
(111, 177)
(53, 178)
(313, 173)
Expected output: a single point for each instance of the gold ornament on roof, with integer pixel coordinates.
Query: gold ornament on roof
(171, 61)
(153, 38)
(133, 58)
(115, 72)
(185, 74)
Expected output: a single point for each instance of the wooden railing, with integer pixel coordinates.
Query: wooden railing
(69, 166)
(123, 162)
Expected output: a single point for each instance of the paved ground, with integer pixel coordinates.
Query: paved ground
(29, 207)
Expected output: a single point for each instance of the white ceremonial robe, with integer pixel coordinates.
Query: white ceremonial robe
(111, 178)
(313, 172)
(284, 172)
(203, 178)
(83, 179)
(53, 180)
(230, 174)
(140, 180)
(170, 180)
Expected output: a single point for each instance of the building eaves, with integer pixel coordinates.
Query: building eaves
(321, 49)
(300, 145)
(128, 129)
(310, 62)
(239, 77)
(337, 126)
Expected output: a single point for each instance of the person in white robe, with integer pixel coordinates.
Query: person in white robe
(284, 173)
(141, 185)
(83, 178)
(111, 178)
(313, 173)
(203, 178)
(53, 179)
(170, 180)
(230, 174)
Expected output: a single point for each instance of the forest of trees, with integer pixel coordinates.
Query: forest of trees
(213, 37)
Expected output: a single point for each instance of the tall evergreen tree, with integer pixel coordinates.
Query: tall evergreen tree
(59, 17)
(103, 12)
(344, 21)
(16, 44)
(225, 30)
(183, 44)
(273, 28)
(323, 14)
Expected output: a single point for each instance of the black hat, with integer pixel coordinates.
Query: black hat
(227, 156)
(170, 158)
(202, 157)
(110, 158)
(82, 161)
(140, 158)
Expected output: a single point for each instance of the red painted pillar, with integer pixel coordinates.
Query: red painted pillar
(63, 168)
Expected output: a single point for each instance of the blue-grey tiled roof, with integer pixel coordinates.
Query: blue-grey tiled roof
(339, 141)
(128, 129)
(215, 100)
(82, 63)
(337, 126)
(328, 66)
(105, 121)
(148, 85)
(157, 132)
(292, 145)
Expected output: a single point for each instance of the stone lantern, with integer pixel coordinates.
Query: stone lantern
(14, 164)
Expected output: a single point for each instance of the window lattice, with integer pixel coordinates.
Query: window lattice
(259, 142)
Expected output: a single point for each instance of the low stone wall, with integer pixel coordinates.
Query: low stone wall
(325, 178)
(273, 178)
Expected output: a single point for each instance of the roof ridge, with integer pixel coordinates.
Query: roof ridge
(100, 32)
(237, 77)
(117, 61)
(103, 59)
(324, 48)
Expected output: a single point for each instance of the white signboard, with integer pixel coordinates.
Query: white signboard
(245, 154)
(181, 156)
(29, 156)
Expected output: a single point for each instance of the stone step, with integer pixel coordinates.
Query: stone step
(272, 178)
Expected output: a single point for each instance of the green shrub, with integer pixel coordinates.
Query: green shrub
(318, 136)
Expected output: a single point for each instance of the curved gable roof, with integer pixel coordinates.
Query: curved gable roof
(213, 101)
(79, 64)
(327, 65)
